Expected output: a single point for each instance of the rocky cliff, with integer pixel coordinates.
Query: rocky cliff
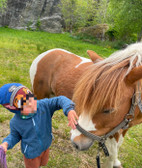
(32, 14)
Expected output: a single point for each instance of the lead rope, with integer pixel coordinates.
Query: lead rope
(98, 158)
(101, 146)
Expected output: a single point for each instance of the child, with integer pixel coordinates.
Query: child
(32, 122)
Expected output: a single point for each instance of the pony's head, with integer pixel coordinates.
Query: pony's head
(103, 94)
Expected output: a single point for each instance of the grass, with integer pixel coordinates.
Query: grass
(18, 49)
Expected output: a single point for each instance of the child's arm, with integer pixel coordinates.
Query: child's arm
(57, 103)
(12, 139)
(62, 102)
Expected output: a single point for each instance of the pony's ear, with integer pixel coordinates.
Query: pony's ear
(93, 55)
(134, 75)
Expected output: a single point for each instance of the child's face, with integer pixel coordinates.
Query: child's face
(30, 106)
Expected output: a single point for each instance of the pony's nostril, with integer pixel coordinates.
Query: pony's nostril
(76, 146)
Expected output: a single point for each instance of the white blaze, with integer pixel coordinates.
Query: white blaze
(85, 122)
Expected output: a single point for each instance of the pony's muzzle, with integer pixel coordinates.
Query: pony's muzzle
(83, 144)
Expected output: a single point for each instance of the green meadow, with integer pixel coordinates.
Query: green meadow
(18, 48)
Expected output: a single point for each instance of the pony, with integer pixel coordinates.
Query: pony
(56, 72)
(107, 94)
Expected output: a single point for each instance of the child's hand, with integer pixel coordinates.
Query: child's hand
(72, 117)
(5, 146)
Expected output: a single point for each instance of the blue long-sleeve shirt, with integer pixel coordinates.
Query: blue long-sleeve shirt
(35, 133)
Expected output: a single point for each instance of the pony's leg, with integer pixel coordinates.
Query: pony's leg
(112, 160)
(117, 163)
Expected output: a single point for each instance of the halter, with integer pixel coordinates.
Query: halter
(123, 125)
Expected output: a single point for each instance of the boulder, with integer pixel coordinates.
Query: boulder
(97, 31)
(33, 14)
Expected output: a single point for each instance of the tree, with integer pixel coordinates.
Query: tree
(3, 4)
(77, 13)
(126, 18)
(101, 12)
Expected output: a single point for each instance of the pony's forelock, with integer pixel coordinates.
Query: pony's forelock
(102, 83)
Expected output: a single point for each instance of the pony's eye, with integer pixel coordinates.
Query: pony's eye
(108, 111)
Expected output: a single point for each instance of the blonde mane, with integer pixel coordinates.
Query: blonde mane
(101, 85)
